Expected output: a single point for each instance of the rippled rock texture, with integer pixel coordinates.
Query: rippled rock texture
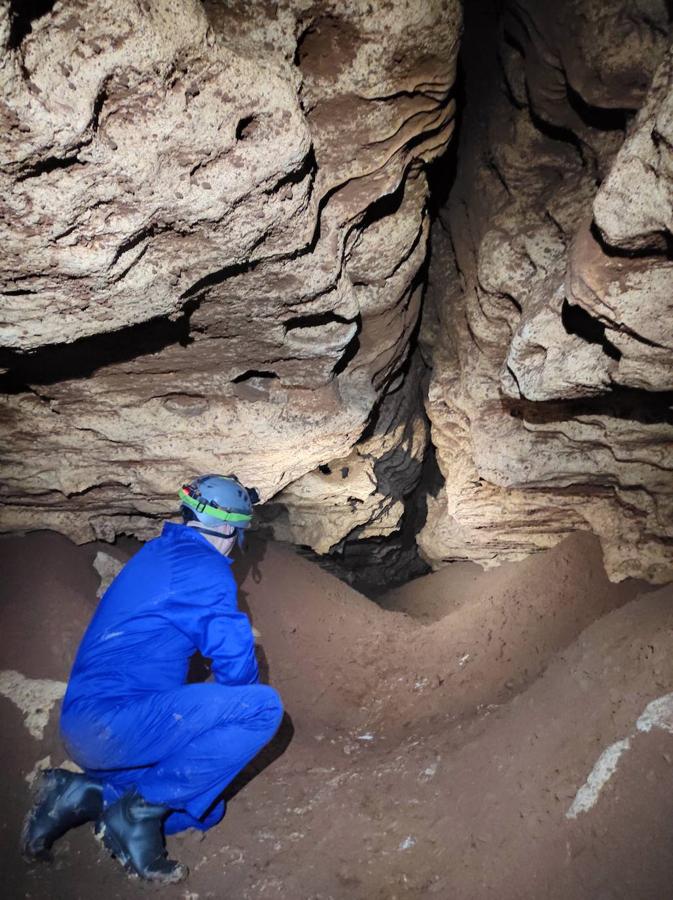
(214, 231)
(551, 298)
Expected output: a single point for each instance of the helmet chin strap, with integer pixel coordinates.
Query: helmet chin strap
(234, 537)
(212, 532)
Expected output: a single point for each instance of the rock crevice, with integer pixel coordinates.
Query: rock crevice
(550, 398)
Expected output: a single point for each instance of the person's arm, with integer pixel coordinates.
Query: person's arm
(203, 605)
(226, 639)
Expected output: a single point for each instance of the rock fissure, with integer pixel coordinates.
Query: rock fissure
(572, 349)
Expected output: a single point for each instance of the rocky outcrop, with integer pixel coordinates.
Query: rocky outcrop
(372, 481)
(214, 228)
(550, 290)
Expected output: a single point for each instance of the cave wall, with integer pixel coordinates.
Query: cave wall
(214, 225)
(216, 217)
(549, 322)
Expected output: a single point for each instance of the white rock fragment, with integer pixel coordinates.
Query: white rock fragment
(429, 771)
(657, 714)
(599, 776)
(108, 568)
(33, 696)
(44, 763)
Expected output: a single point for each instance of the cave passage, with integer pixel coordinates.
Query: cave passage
(404, 268)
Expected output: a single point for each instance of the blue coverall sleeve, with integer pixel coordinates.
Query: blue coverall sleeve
(226, 638)
(203, 606)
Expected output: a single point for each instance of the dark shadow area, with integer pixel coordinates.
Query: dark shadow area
(22, 15)
(49, 164)
(374, 565)
(578, 321)
(634, 404)
(660, 246)
(441, 172)
(599, 117)
(315, 320)
(253, 373)
(381, 208)
(199, 669)
(350, 350)
(269, 754)
(556, 132)
(246, 563)
(246, 128)
(81, 358)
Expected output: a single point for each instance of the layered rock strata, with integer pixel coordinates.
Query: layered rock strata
(550, 322)
(214, 228)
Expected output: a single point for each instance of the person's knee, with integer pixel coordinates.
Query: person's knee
(273, 705)
(258, 707)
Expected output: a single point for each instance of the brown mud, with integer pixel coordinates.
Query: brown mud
(431, 748)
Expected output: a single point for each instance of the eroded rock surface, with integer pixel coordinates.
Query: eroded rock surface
(214, 224)
(551, 291)
(215, 235)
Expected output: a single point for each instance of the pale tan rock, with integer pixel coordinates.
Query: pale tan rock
(108, 567)
(544, 362)
(122, 170)
(361, 495)
(219, 230)
(632, 299)
(550, 352)
(634, 206)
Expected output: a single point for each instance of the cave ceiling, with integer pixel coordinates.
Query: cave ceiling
(299, 242)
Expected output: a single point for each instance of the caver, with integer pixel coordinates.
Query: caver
(157, 753)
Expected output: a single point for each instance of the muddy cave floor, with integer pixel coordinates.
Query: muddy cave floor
(431, 748)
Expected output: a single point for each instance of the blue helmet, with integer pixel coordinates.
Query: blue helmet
(218, 499)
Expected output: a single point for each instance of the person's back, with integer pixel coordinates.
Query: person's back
(142, 635)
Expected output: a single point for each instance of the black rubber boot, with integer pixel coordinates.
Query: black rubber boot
(62, 801)
(131, 829)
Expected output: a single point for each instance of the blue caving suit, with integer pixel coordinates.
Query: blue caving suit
(129, 719)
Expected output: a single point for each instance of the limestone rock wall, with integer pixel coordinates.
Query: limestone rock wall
(214, 226)
(549, 320)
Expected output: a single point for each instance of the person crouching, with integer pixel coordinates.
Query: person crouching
(156, 752)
